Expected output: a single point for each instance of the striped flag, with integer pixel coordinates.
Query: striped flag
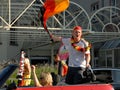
(52, 7)
(21, 69)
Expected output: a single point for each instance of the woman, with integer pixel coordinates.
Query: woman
(27, 71)
(44, 80)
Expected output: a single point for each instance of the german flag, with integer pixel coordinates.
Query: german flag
(52, 7)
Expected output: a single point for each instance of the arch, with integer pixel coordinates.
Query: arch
(24, 17)
(70, 17)
(111, 24)
(29, 12)
(103, 17)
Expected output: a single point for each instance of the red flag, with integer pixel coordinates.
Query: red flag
(64, 68)
(52, 7)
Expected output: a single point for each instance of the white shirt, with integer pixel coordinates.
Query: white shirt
(76, 58)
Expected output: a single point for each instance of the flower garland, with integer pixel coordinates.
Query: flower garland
(78, 48)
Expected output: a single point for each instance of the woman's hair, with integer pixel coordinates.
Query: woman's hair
(46, 79)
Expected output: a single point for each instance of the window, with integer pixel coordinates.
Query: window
(109, 61)
(13, 37)
(102, 3)
(95, 6)
(113, 2)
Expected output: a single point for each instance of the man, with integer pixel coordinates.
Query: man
(79, 55)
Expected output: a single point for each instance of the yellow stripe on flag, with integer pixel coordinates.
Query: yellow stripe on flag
(53, 7)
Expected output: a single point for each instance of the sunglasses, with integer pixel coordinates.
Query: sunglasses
(41, 78)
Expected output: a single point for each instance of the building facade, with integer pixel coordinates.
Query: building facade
(21, 28)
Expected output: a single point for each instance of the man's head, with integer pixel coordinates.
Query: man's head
(77, 28)
(77, 33)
